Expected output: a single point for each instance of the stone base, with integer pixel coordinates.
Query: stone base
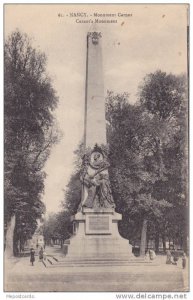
(96, 237)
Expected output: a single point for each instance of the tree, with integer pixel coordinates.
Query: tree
(136, 164)
(72, 194)
(147, 155)
(57, 226)
(30, 131)
(164, 97)
(163, 94)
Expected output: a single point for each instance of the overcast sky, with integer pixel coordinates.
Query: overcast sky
(154, 37)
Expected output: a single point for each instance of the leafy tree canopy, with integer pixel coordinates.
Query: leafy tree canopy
(30, 129)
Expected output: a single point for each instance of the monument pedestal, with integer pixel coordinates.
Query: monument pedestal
(96, 237)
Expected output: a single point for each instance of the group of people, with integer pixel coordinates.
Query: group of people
(42, 255)
(171, 258)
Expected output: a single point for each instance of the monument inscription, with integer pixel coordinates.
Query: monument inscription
(97, 224)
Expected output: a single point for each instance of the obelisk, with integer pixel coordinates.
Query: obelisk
(95, 124)
(96, 233)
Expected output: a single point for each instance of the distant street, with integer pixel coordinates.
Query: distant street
(21, 276)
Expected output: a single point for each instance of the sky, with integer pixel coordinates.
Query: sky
(153, 38)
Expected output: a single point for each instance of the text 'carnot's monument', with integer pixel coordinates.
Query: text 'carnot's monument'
(96, 235)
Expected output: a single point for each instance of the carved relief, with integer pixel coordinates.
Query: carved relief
(95, 37)
(95, 179)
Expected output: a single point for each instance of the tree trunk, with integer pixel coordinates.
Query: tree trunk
(9, 237)
(15, 245)
(143, 237)
(164, 243)
(157, 242)
(185, 244)
(147, 242)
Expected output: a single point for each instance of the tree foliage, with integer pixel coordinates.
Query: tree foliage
(30, 131)
(57, 226)
(135, 162)
(163, 94)
(148, 156)
(73, 194)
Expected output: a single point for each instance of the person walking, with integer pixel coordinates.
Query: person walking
(32, 256)
(41, 254)
(184, 261)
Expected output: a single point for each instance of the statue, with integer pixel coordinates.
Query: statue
(95, 180)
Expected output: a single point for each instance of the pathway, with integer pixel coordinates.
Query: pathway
(21, 276)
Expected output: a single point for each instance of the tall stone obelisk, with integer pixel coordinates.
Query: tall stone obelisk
(96, 235)
(95, 124)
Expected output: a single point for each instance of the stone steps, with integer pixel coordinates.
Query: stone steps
(53, 262)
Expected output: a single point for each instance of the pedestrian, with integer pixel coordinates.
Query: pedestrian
(147, 255)
(168, 257)
(152, 254)
(32, 256)
(175, 258)
(44, 255)
(184, 261)
(41, 254)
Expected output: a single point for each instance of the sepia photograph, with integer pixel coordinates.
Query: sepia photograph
(96, 150)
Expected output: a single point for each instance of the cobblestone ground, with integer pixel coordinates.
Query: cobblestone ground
(21, 276)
